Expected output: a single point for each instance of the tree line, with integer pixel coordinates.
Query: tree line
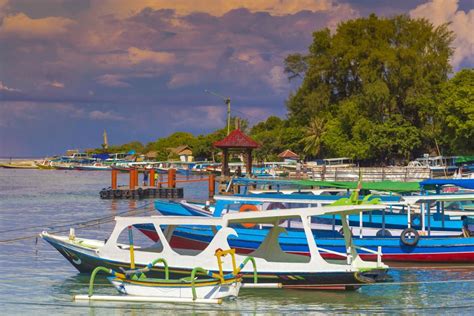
(378, 90)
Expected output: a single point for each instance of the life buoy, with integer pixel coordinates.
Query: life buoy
(409, 237)
(248, 208)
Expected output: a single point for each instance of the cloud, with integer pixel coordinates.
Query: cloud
(112, 81)
(105, 116)
(137, 56)
(21, 25)
(214, 117)
(460, 22)
(126, 8)
(182, 79)
(56, 84)
(5, 88)
(277, 79)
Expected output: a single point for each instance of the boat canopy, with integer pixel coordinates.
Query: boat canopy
(389, 186)
(433, 183)
(464, 159)
(414, 199)
(274, 216)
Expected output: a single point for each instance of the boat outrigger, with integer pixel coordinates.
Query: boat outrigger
(276, 268)
(139, 288)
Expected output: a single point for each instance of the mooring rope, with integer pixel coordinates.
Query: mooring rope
(80, 224)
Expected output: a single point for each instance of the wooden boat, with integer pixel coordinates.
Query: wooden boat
(276, 267)
(44, 164)
(94, 167)
(454, 246)
(19, 165)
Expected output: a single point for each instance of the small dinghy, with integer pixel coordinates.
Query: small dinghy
(202, 286)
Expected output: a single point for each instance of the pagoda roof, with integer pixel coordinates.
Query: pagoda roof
(236, 139)
(288, 154)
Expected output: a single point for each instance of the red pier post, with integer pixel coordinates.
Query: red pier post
(171, 178)
(212, 185)
(152, 177)
(114, 179)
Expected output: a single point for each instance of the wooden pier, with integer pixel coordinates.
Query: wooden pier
(155, 188)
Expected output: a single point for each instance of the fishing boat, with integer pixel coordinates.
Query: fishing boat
(276, 267)
(414, 241)
(93, 167)
(194, 289)
(19, 165)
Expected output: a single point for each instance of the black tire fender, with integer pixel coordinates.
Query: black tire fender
(383, 233)
(103, 194)
(405, 237)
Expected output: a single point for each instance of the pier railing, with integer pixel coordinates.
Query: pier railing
(392, 173)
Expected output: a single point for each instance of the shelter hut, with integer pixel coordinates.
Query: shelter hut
(184, 152)
(239, 141)
(288, 156)
(151, 155)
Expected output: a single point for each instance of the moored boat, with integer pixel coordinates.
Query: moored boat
(275, 266)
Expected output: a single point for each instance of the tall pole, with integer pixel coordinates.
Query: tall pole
(227, 101)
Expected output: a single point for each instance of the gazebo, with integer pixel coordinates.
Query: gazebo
(236, 140)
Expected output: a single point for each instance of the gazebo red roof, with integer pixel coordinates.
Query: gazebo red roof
(288, 154)
(236, 139)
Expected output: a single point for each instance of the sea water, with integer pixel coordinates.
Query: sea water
(36, 280)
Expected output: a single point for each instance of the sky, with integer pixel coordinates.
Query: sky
(139, 69)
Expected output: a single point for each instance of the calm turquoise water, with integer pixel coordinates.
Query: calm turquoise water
(37, 280)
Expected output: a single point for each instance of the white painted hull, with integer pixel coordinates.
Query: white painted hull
(202, 292)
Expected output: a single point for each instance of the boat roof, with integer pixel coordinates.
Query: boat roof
(169, 220)
(463, 183)
(293, 198)
(276, 215)
(257, 217)
(437, 197)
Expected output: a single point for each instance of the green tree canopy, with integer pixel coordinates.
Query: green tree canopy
(373, 82)
(455, 119)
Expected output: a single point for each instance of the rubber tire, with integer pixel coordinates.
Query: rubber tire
(383, 233)
(118, 194)
(409, 242)
(103, 194)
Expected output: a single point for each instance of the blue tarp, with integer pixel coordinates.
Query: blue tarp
(463, 183)
(100, 156)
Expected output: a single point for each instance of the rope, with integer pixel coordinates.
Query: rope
(73, 223)
(82, 224)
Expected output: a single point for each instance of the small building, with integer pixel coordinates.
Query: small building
(151, 155)
(289, 156)
(184, 152)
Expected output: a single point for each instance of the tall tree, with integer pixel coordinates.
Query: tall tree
(455, 119)
(370, 74)
(313, 136)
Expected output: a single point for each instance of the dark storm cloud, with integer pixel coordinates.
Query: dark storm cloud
(139, 68)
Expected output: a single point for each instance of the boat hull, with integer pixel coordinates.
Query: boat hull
(429, 249)
(212, 291)
(86, 260)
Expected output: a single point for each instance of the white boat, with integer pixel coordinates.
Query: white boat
(275, 266)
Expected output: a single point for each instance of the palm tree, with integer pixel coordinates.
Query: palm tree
(314, 133)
